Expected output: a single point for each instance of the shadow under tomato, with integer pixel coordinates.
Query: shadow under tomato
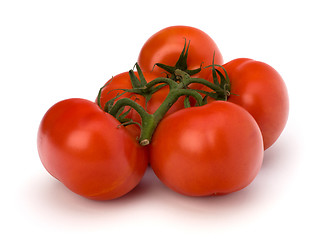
(52, 192)
(283, 154)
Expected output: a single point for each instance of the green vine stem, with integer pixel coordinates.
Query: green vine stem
(178, 87)
(149, 121)
(172, 97)
(172, 84)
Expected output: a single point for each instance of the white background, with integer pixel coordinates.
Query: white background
(53, 50)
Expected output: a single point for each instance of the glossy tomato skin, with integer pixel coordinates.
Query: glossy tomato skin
(166, 46)
(122, 81)
(87, 150)
(260, 90)
(210, 150)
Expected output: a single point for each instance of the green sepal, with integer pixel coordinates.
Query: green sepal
(147, 97)
(157, 88)
(122, 116)
(130, 122)
(136, 83)
(108, 105)
(119, 113)
(139, 85)
(225, 72)
(223, 80)
(167, 68)
(100, 92)
(194, 71)
(214, 73)
(182, 61)
(142, 78)
(187, 103)
(224, 85)
(180, 64)
(111, 102)
(99, 96)
(205, 100)
(209, 94)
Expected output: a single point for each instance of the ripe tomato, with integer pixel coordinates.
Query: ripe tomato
(122, 81)
(259, 89)
(208, 150)
(87, 150)
(166, 46)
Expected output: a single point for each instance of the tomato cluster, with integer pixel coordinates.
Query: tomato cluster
(202, 125)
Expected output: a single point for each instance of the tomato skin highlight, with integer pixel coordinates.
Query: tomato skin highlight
(210, 150)
(87, 150)
(166, 45)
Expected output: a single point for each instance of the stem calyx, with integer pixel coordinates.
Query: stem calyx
(181, 64)
(178, 84)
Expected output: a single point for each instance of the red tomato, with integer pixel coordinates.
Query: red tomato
(122, 81)
(87, 150)
(166, 46)
(208, 150)
(262, 92)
